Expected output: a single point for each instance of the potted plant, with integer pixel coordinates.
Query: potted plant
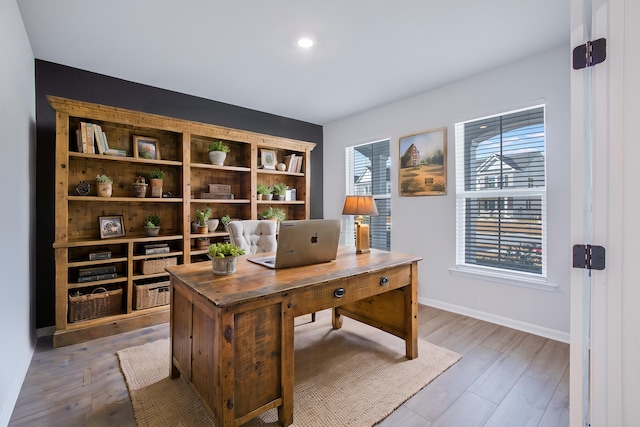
(264, 192)
(223, 257)
(279, 190)
(140, 186)
(152, 225)
(218, 152)
(274, 214)
(202, 216)
(104, 185)
(225, 220)
(156, 179)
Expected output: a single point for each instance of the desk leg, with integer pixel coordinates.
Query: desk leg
(411, 314)
(285, 411)
(336, 318)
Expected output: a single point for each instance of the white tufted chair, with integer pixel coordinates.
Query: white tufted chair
(253, 236)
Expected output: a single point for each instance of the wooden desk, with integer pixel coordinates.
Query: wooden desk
(232, 336)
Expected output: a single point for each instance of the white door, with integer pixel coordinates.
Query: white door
(597, 142)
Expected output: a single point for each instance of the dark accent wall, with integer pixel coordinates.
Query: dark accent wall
(72, 83)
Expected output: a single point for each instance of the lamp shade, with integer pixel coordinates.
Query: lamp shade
(359, 205)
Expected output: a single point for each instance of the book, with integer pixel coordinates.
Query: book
(90, 139)
(156, 251)
(290, 162)
(94, 271)
(97, 132)
(99, 255)
(298, 164)
(216, 196)
(83, 136)
(97, 277)
(115, 152)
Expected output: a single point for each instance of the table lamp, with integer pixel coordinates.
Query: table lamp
(360, 205)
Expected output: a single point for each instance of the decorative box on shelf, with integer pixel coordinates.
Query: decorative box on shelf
(153, 266)
(99, 302)
(151, 295)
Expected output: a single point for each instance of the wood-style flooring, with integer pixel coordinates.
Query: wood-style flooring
(505, 378)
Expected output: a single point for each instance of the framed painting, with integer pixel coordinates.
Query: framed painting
(146, 148)
(422, 167)
(268, 159)
(111, 226)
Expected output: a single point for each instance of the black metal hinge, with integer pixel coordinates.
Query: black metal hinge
(590, 257)
(590, 53)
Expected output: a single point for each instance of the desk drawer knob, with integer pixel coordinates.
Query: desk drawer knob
(384, 280)
(339, 293)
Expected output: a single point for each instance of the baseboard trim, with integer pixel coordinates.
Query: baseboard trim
(45, 332)
(13, 392)
(499, 320)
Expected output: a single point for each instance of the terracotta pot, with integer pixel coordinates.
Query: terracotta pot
(156, 187)
(104, 189)
(203, 229)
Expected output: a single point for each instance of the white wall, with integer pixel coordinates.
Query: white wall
(426, 225)
(17, 139)
(630, 283)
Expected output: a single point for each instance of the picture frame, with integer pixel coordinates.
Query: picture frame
(111, 226)
(145, 147)
(422, 163)
(268, 158)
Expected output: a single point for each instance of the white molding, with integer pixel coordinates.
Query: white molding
(498, 320)
(13, 391)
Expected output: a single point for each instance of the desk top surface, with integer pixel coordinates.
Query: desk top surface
(253, 281)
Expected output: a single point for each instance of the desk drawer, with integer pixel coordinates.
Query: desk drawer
(334, 294)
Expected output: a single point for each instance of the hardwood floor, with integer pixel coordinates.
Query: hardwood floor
(505, 378)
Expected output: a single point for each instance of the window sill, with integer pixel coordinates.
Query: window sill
(508, 279)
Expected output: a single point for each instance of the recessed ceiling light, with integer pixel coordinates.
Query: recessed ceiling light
(305, 42)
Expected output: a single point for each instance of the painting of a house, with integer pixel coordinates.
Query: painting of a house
(422, 163)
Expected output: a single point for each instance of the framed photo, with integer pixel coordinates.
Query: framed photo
(145, 147)
(269, 159)
(111, 226)
(422, 167)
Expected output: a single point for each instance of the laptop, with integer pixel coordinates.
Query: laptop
(304, 242)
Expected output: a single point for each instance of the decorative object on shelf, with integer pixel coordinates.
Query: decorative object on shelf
(279, 190)
(268, 159)
(225, 220)
(224, 257)
(140, 187)
(281, 167)
(423, 163)
(83, 189)
(111, 226)
(145, 147)
(203, 242)
(202, 216)
(263, 191)
(358, 206)
(218, 191)
(98, 303)
(212, 223)
(104, 185)
(156, 179)
(152, 225)
(218, 152)
(274, 214)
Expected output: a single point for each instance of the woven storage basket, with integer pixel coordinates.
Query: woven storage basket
(151, 295)
(153, 266)
(100, 302)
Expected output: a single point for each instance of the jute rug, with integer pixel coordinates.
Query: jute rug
(354, 376)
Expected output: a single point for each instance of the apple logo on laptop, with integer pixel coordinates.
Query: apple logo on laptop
(314, 238)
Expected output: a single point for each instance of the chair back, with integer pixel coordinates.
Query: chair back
(254, 236)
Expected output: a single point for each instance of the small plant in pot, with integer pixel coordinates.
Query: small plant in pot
(140, 186)
(279, 190)
(224, 257)
(264, 192)
(104, 185)
(218, 152)
(156, 179)
(202, 216)
(274, 214)
(152, 225)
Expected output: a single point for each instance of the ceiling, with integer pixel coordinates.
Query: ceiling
(367, 53)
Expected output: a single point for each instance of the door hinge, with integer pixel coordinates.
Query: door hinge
(590, 257)
(589, 54)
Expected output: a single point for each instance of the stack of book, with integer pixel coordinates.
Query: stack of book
(157, 248)
(93, 274)
(218, 191)
(91, 139)
(100, 254)
(293, 163)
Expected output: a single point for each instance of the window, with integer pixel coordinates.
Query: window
(501, 192)
(368, 173)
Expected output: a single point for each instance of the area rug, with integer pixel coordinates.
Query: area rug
(353, 376)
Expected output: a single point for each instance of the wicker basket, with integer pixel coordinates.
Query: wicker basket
(100, 302)
(153, 266)
(151, 295)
